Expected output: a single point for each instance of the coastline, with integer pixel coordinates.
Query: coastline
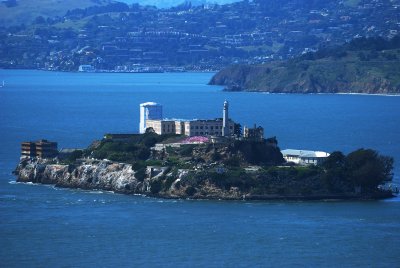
(254, 198)
(213, 72)
(120, 178)
(111, 71)
(311, 93)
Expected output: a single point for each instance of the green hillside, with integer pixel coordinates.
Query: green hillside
(371, 66)
(16, 12)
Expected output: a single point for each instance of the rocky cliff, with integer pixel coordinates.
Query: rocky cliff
(171, 182)
(117, 177)
(92, 174)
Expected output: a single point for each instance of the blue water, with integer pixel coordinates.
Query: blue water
(41, 226)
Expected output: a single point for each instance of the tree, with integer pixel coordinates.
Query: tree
(75, 155)
(368, 169)
(335, 160)
(40, 20)
(150, 130)
(237, 129)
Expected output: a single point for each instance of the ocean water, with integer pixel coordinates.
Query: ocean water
(42, 226)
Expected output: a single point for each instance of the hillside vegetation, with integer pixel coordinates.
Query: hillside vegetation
(15, 12)
(361, 66)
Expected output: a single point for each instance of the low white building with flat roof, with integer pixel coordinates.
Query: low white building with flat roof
(304, 157)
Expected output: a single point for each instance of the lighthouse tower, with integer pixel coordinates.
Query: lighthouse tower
(225, 120)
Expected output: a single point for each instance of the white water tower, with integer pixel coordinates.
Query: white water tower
(149, 111)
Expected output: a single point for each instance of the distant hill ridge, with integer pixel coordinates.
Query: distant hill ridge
(364, 65)
(16, 12)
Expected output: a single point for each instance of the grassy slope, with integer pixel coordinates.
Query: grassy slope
(27, 10)
(327, 75)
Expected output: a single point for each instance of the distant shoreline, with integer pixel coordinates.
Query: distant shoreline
(212, 72)
(112, 72)
(311, 93)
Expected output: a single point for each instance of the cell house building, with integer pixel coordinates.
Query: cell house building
(197, 127)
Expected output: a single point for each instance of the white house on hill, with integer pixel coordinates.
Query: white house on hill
(304, 157)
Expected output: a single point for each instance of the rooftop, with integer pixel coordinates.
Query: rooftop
(149, 104)
(304, 153)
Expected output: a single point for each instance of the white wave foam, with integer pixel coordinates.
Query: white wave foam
(95, 192)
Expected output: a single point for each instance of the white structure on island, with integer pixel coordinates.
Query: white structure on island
(86, 68)
(196, 127)
(304, 157)
(149, 111)
(225, 120)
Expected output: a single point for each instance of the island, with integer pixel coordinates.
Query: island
(179, 159)
(364, 65)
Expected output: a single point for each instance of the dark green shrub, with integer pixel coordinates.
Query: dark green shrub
(155, 186)
(190, 191)
(140, 174)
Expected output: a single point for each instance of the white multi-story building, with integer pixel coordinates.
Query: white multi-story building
(213, 127)
(149, 111)
(196, 127)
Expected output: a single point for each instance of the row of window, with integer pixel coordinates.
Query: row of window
(206, 127)
(206, 133)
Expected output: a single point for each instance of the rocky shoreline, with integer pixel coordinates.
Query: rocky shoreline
(106, 175)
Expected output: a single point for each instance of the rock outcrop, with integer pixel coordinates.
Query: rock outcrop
(171, 182)
(90, 174)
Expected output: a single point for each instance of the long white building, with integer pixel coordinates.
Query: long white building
(196, 127)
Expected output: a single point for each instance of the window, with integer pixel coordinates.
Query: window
(197, 127)
(201, 127)
(201, 133)
(212, 127)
